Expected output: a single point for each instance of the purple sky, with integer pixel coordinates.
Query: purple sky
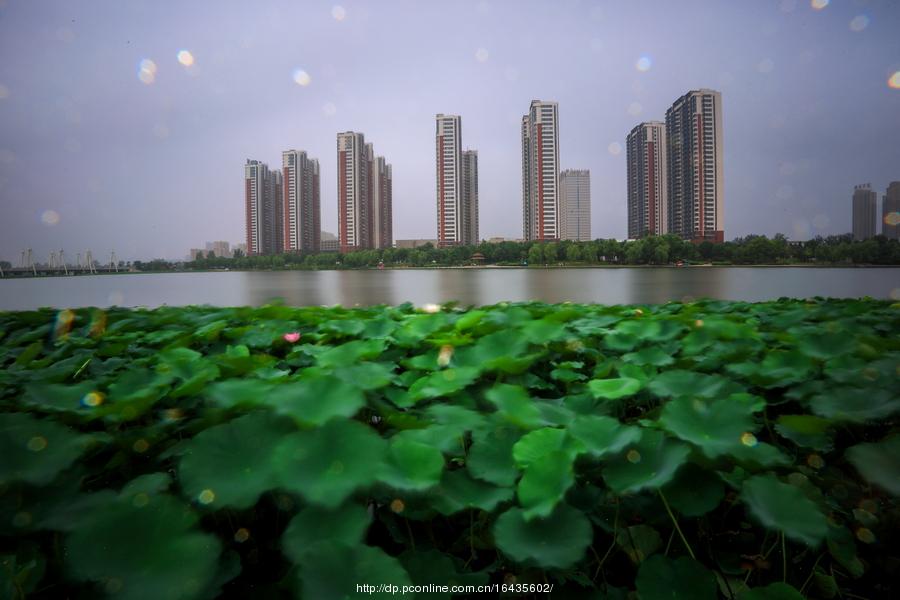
(93, 158)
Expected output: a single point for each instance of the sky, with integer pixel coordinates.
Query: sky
(125, 125)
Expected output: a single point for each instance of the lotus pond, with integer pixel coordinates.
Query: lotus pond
(697, 450)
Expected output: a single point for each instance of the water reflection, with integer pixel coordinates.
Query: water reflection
(467, 286)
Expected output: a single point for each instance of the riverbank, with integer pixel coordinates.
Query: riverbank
(289, 448)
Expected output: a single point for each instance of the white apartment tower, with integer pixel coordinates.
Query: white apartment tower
(353, 192)
(470, 197)
(302, 208)
(449, 180)
(694, 166)
(540, 172)
(575, 205)
(382, 203)
(647, 181)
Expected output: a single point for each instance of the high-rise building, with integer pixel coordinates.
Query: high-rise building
(540, 171)
(302, 204)
(262, 193)
(890, 211)
(353, 192)
(694, 166)
(865, 202)
(220, 249)
(449, 184)
(382, 203)
(470, 197)
(646, 157)
(364, 179)
(575, 205)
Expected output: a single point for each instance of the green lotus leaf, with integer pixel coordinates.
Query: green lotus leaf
(773, 591)
(807, 431)
(784, 507)
(879, 463)
(567, 375)
(315, 398)
(442, 383)
(603, 435)
(651, 462)
(780, 368)
(328, 464)
(351, 353)
(153, 550)
(664, 578)
(231, 464)
(542, 331)
(651, 355)
(36, 450)
(638, 542)
(450, 414)
(346, 327)
(189, 366)
(540, 442)
(694, 491)
(345, 524)
(449, 439)
(842, 547)
(150, 484)
(436, 568)
(544, 483)
(234, 393)
(458, 491)
(515, 405)
(826, 345)
(615, 388)
(857, 405)
(688, 383)
(558, 541)
(57, 397)
(411, 465)
(368, 375)
(500, 351)
(717, 426)
(332, 570)
(490, 457)
(135, 392)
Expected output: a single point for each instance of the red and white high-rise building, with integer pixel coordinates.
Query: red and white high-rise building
(647, 182)
(694, 166)
(302, 206)
(540, 171)
(262, 202)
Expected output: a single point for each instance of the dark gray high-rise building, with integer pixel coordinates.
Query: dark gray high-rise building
(646, 156)
(890, 212)
(263, 208)
(865, 202)
(470, 197)
(694, 166)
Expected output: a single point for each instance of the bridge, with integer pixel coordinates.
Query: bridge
(57, 265)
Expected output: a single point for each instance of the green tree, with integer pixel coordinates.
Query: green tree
(535, 254)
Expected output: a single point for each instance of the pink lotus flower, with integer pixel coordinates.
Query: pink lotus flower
(292, 337)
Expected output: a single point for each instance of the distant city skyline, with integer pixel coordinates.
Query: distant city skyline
(143, 111)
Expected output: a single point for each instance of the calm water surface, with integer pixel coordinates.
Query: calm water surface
(467, 286)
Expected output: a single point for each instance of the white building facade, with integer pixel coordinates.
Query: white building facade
(449, 179)
(540, 172)
(302, 205)
(575, 205)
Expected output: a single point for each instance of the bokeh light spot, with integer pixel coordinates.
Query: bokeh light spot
(338, 12)
(241, 535)
(815, 461)
(894, 80)
(50, 217)
(37, 443)
(858, 23)
(615, 148)
(481, 55)
(748, 439)
(185, 58)
(206, 497)
(92, 399)
(865, 535)
(141, 446)
(819, 4)
(140, 500)
(643, 64)
(431, 308)
(633, 456)
(397, 505)
(301, 77)
(147, 71)
(892, 218)
(445, 355)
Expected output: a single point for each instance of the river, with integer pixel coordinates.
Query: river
(467, 286)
